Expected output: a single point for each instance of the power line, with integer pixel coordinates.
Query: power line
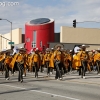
(88, 21)
(4, 38)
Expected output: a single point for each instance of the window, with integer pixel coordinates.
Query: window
(34, 39)
(41, 44)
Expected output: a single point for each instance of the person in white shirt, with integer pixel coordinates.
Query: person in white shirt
(76, 49)
(15, 50)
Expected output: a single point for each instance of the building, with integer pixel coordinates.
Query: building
(70, 37)
(6, 38)
(89, 36)
(38, 33)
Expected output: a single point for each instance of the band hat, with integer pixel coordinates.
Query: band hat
(84, 46)
(87, 50)
(3, 51)
(36, 49)
(62, 49)
(90, 52)
(52, 48)
(93, 50)
(59, 45)
(48, 49)
(70, 51)
(98, 49)
(9, 51)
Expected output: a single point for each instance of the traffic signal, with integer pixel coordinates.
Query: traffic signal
(74, 23)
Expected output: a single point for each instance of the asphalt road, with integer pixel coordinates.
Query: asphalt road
(72, 87)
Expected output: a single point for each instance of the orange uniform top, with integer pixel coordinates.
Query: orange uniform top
(47, 57)
(20, 58)
(8, 60)
(51, 64)
(58, 55)
(70, 57)
(76, 61)
(13, 60)
(83, 55)
(2, 57)
(29, 58)
(36, 58)
(96, 57)
(91, 57)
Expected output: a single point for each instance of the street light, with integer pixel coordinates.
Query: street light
(11, 28)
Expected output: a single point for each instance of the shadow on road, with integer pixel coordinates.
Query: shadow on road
(22, 90)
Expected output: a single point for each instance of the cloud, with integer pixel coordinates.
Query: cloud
(64, 12)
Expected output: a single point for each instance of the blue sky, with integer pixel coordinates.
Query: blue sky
(62, 11)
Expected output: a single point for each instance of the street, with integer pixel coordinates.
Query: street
(72, 87)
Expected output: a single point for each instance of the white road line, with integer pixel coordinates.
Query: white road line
(55, 95)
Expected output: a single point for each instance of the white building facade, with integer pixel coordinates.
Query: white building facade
(5, 39)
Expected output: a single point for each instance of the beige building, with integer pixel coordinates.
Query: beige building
(16, 38)
(80, 35)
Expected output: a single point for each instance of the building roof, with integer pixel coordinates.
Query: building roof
(40, 21)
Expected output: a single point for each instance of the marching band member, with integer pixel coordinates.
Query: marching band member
(20, 63)
(29, 62)
(42, 61)
(7, 61)
(58, 61)
(90, 61)
(25, 62)
(97, 60)
(94, 53)
(76, 63)
(47, 58)
(51, 64)
(13, 64)
(15, 50)
(36, 60)
(2, 58)
(83, 58)
(70, 56)
(65, 62)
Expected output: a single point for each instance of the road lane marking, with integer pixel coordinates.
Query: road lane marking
(55, 95)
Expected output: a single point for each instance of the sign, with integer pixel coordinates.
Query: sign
(10, 42)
